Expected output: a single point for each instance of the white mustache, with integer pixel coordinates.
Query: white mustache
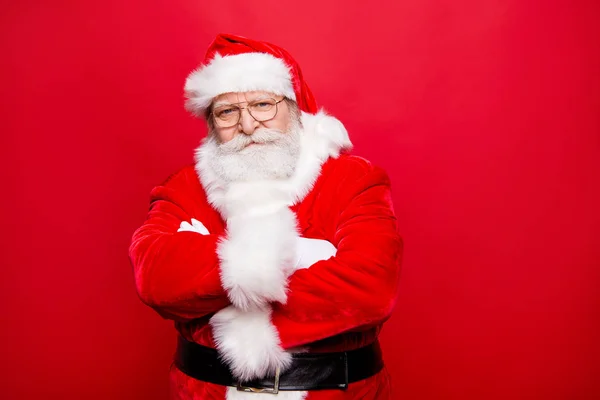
(241, 140)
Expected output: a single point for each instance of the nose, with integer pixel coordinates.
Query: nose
(247, 124)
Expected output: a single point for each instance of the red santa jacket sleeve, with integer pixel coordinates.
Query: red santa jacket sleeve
(176, 273)
(357, 287)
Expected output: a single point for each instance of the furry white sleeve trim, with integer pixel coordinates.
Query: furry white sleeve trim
(249, 343)
(259, 251)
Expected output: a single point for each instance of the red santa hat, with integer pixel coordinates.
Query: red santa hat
(237, 64)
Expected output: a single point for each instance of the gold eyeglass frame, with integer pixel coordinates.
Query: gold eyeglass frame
(214, 118)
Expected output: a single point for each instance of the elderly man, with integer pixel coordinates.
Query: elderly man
(276, 254)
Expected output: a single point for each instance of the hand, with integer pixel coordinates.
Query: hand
(310, 251)
(195, 226)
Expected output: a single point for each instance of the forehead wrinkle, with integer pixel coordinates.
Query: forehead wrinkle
(261, 96)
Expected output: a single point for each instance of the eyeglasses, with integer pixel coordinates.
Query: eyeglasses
(261, 110)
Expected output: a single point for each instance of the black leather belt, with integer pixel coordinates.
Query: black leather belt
(309, 371)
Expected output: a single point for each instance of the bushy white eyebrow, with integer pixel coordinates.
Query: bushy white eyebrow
(222, 103)
(226, 103)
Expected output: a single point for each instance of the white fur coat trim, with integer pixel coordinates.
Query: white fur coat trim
(234, 394)
(237, 73)
(255, 274)
(257, 256)
(249, 343)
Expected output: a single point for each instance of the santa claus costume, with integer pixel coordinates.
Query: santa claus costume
(229, 282)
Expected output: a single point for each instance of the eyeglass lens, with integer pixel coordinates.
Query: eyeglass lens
(261, 110)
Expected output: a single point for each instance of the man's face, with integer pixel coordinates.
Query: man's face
(247, 125)
(247, 149)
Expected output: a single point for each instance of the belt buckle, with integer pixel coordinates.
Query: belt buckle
(250, 389)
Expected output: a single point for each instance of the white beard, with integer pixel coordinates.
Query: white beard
(274, 157)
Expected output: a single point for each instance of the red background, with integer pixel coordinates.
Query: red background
(485, 113)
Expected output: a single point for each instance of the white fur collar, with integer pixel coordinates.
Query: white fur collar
(322, 136)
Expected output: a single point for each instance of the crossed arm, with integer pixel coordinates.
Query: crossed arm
(178, 270)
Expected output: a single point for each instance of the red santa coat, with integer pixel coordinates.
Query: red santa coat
(336, 304)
